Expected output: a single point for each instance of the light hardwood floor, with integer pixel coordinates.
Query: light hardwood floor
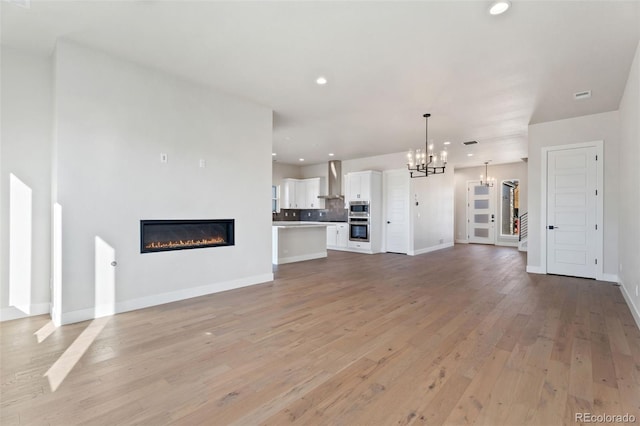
(459, 336)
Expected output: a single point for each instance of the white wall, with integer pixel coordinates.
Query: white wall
(113, 119)
(281, 171)
(433, 216)
(500, 172)
(629, 187)
(606, 127)
(25, 152)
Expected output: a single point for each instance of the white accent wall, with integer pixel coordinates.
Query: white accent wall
(605, 127)
(25, 154)
(101, 166)
(629, 189)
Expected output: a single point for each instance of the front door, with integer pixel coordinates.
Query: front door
(481, 215)
(572, 212)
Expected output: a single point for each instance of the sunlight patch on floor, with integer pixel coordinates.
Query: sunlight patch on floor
(45, 331)
(63, 366)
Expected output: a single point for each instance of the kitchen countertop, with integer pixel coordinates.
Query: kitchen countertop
(293, 224)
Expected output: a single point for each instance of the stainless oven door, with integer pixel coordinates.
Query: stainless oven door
(358, 229)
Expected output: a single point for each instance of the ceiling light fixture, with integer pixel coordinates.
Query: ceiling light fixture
(469, 155)
(417, 162)
(273, 154)
(490, 180)
(321, 81)
(331, 154)
(499, 7)
(447, 143)
(301, 159)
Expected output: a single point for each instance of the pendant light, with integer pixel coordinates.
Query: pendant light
(490, 181)
(424, 163)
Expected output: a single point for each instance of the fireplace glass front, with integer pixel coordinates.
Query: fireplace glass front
(165, 235)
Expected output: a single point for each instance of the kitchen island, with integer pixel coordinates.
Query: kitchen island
(298, 241)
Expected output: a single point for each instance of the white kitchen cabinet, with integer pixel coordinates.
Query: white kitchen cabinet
(289, 194)
(338, 236)
(332, 236)
(359, 186)
(301, 194)
(343, 235)
(312, 187)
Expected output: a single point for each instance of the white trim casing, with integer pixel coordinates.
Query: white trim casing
(599, 145)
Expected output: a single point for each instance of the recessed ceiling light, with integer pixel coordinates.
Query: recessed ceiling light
(321, 80)
(301, 159)
(499, 7)
(469, 155)
(447, 143)
(273, 154)
(331, 154)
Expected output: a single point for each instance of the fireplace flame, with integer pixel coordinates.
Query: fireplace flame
(182, 244)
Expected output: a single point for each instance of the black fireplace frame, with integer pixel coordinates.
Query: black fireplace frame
(230, 223)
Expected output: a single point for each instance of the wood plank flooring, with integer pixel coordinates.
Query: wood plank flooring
(458, 336)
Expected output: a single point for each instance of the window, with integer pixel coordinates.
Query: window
(274, 199)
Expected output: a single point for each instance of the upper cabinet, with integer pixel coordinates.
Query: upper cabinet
(358, 186)
(301, 194)
(312, 187)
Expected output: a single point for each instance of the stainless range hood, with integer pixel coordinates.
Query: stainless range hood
(334, 181)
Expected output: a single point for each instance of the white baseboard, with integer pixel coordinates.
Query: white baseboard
(430, 249)
(11, 313)
(462, 241)
(613, 278)
(161, 299)
(507, 243)
(633, 308)
(301, 258)
(535, 270)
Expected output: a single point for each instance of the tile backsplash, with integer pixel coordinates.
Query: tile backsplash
(334, 212)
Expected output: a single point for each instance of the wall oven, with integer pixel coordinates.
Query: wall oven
(358, 209)
(359, 229)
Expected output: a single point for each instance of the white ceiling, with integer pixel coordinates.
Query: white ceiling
(482, 77)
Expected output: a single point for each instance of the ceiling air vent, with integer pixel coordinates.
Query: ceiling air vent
(582, 95)
(470, 143)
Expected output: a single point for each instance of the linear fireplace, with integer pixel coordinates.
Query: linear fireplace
(164, 235)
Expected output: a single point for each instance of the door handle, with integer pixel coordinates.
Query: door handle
(552, 227)
(388, 222)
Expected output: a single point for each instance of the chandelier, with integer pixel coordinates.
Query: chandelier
(419, 164)
(489, 180)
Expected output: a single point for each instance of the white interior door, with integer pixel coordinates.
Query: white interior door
(396, 201)
(572, 212)
(481, 215)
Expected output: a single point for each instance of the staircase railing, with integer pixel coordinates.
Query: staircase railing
(523, 232)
